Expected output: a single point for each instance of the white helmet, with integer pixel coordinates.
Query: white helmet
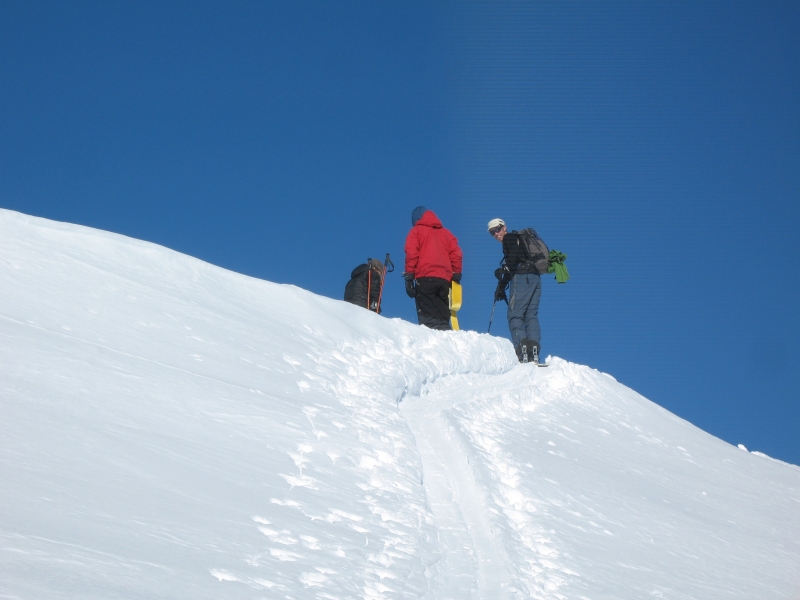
(496, 223)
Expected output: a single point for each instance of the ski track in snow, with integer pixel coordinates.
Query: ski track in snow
(174, 430)
(474, 565)
(458, 483)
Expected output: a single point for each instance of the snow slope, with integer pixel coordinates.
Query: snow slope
(174, 430)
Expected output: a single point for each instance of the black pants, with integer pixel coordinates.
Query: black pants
(433, 304)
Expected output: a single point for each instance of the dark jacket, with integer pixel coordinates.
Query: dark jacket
(514, 256)
(431, 250)
(361, 279)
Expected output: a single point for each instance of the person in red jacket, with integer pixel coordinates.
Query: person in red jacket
(433, 260)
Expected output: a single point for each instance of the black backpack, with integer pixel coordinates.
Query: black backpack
(536, 251)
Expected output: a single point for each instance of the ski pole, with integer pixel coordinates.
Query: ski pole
(386, 264)
(492, 317)
(369, 284)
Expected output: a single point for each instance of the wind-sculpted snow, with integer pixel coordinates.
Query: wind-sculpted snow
(169, 425)
(174, 430)
(594, 492)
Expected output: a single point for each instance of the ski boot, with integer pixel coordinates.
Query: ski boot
(528, 351)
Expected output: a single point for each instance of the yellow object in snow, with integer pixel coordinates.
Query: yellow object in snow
(455, 303)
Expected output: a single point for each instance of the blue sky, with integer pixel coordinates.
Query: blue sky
(657, 144)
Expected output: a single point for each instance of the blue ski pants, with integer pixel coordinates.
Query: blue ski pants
(524, 294)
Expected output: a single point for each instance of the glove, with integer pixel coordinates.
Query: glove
(411, 289)
(500, 293)
(457, 277)
(503, 275)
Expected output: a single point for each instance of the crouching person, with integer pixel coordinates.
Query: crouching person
(366, 284)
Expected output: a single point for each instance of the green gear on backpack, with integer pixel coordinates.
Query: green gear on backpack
(557, 266)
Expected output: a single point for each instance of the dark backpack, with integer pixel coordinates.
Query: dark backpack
(364, 287)
(536, 252)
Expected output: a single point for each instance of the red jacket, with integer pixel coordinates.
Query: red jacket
(431, 250)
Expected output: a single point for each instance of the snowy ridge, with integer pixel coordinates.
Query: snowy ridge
(175, 430)
(593, 498)
(265, 413)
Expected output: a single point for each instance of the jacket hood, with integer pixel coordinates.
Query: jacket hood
(417, 213)
(365, 267)
(358, 270)
(429, 219)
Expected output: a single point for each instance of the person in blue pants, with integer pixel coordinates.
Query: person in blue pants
(524, 284)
